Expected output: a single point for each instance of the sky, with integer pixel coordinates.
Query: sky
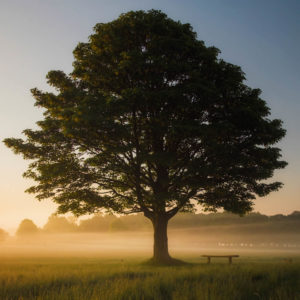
(36, 36)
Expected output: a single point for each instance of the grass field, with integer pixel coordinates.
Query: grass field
(104, 278)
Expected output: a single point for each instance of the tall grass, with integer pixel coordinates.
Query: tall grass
(95, 278)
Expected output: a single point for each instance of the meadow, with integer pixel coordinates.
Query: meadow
(64, 277)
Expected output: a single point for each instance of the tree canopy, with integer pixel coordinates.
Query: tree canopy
(27, 227)
(59, 224)
(150, 120)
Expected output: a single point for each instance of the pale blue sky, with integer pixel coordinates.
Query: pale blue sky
(39, 35)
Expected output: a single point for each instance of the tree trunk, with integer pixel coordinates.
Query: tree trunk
(160, 248)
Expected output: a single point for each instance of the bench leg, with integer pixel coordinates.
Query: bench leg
(230, 260)
(208, 260)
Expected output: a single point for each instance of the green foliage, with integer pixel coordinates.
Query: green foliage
(98, 279)
(27, 227)
(150, 119)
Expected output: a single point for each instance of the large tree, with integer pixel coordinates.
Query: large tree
(152, 121)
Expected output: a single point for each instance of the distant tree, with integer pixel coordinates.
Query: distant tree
(117, 225)
(27, 227)
(295, 215)
(98, 223)
(58, 224)
(136, 222)
(3, 235)
(152, 121)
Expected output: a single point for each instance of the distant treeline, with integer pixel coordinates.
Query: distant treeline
(110, 223)
(3, 235)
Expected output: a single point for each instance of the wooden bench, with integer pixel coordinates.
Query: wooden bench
(228, 256)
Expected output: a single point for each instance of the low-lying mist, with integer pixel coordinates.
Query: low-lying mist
(194, 234)
(131, 243)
